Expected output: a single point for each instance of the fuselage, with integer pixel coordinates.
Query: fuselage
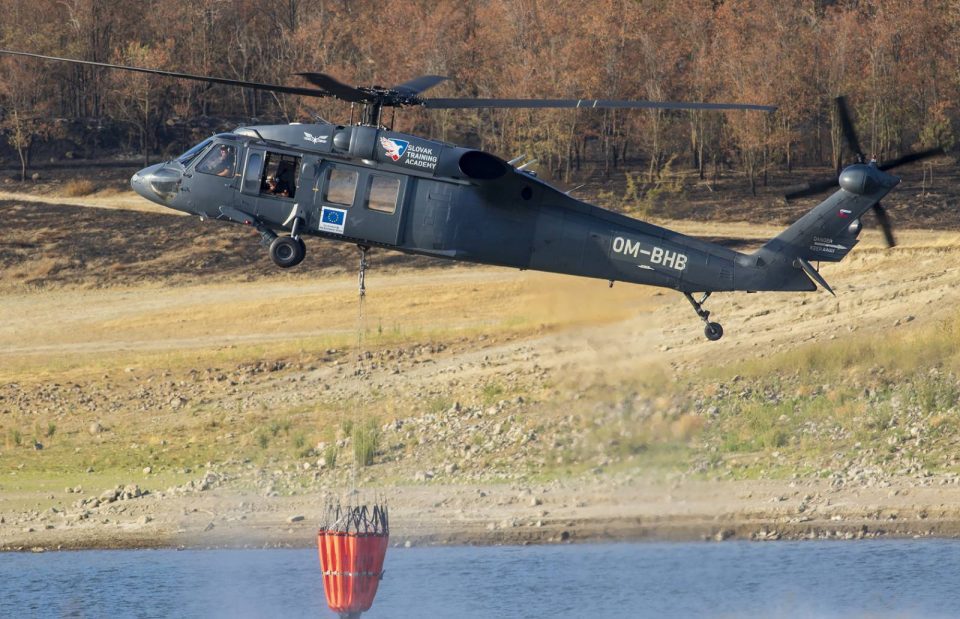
(375, 187)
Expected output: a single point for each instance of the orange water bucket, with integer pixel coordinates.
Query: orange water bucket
(352, 545)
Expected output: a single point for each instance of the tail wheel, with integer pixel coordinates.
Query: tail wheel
(287, 252)
(713, 331)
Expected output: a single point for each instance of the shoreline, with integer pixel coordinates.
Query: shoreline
(609, 511)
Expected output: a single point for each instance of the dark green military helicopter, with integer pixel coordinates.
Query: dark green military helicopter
(365, 184)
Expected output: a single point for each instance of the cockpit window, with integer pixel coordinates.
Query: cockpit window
(189, 156)
(221, 161)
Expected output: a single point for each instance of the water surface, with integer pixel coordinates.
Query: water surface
(871, 578)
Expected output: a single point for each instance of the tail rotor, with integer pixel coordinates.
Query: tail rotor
(853, 144)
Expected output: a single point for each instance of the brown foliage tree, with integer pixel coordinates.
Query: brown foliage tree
(896, 60)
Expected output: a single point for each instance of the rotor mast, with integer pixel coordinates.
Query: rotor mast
(371, 113)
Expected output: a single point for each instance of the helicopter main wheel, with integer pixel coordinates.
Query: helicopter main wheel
(286, 251)
(713, 331)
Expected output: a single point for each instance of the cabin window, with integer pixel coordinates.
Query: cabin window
(251, 178)
(383, 193)
(220, 161)
(281, 175)
(341, 186)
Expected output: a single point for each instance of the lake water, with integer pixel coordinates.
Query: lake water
(875, 578)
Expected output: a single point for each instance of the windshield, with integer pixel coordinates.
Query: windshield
(188, 156)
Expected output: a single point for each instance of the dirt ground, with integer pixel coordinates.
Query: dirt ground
(110, 277)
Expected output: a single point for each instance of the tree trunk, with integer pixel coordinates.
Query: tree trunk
(766, 165)
(23, 164)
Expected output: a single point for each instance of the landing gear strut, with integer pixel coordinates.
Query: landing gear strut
(712, 330)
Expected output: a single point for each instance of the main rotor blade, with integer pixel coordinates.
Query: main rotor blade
(439, 104)
(307, 92)
(884, 220)
(419, 84)
(330, 87)
(334, 87)
(847, 126)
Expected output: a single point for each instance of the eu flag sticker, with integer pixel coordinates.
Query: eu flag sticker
(332, 220)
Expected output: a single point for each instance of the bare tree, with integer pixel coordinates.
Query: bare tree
(140, 98)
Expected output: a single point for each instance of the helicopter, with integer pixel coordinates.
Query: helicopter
(365, 184)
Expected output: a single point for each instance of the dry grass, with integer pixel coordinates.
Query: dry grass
(78, 188)
(936, 344)
(35, 272)
(118, 341)
(686, 427)
(190, 325)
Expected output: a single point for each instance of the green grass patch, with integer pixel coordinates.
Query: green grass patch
(491, 392)
(366, 441)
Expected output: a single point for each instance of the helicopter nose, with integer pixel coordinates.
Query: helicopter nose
(157, 183)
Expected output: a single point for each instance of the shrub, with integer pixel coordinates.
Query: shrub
(365, 440)
(330, 456)
(491, 392)
(78, 188)
(686, 427)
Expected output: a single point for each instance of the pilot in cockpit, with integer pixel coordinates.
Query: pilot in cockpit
(222, 163)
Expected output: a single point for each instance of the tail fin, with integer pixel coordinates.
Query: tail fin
(830, 230)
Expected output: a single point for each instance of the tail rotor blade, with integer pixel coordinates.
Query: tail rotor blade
(810, 189)
(910, 158)
(848, 131)
(884, 220)
(853, 143)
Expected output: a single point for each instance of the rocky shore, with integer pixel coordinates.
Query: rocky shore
(207, 514)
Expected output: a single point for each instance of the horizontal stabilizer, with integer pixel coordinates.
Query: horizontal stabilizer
(814, 275)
